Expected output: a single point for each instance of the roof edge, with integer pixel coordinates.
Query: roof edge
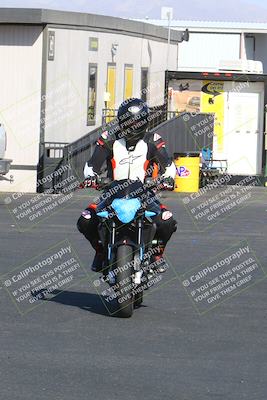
(46, 16)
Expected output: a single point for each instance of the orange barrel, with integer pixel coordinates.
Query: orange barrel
(187, 172)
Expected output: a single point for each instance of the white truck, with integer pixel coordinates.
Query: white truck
(237, 100)
(4, 163)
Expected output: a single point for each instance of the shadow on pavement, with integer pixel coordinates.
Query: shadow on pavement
(86, 301)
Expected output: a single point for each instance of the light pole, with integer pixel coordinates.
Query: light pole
(169, 38)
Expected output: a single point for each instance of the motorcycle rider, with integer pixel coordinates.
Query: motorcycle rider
(129, 154)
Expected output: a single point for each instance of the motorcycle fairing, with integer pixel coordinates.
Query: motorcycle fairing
(126, 209)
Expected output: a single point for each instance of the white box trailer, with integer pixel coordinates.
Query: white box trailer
(237, 100)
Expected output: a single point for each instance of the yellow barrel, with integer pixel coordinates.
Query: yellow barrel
(187, 172)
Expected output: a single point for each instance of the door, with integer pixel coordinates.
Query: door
(243, 134)
(111, 88)
(128, 82)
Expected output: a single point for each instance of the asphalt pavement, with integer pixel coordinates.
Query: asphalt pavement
(71, 346)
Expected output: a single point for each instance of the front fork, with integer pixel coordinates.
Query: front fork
(139, 246)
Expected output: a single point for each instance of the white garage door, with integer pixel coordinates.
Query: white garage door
(242, 134)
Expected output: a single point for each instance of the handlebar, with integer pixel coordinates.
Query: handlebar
(155, 184)
(97, 183)
(158, 184)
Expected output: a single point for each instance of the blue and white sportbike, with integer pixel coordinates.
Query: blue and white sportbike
(127, 232)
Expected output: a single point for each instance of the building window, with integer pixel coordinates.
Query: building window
(110, 91)
(92, 87)
(128, 81)
(144, 83)
(93, 44)
(51, 45)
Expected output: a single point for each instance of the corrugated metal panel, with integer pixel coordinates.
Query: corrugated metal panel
(178, 135)
(204, 50)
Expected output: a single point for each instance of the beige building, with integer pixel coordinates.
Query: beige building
(59, 70)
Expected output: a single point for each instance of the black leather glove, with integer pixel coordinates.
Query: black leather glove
(91, 182)
(167, 183)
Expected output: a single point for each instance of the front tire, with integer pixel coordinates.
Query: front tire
(124, 281)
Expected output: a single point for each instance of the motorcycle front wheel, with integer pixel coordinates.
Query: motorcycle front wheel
(124, 281)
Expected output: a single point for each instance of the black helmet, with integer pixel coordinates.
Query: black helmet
(133, 118)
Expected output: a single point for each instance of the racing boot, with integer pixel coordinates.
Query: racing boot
(98, 261)
(159, 265)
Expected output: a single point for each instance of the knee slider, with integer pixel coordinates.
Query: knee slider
(84, 221)
(168, 219)
(166, 215)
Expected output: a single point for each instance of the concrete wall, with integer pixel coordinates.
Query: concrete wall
(20, 83)
(67, 76)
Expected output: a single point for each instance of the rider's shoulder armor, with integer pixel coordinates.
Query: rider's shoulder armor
(155, 140)
(106, 139)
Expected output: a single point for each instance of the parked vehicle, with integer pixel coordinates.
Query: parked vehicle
(4, 163)
(236, 101)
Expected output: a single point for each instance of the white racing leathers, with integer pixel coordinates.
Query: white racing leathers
(133, 162)
(146, 158)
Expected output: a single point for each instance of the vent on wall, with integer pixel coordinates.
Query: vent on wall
(51, 45)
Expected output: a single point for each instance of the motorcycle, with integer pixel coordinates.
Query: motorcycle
(127, 234)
